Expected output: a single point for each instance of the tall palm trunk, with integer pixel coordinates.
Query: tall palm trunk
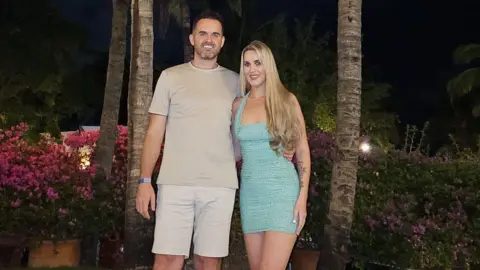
(138, 231)
(113, 90)
(111, 106)
(185, 19)
(335, 254)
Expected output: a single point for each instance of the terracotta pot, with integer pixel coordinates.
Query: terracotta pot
(304, 259)
(111, 253)
(48, 254)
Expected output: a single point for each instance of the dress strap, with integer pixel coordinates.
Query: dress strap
(238, 116)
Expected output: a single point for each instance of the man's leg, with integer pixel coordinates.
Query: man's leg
(213, 217)
(173, 227)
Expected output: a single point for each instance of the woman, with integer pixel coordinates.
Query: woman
(273, 195)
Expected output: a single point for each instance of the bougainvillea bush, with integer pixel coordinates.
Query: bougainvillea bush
(410, 210)
(48, 190)
(419, 212)
(106, 211)
(43, 187)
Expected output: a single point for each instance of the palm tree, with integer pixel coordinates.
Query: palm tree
(335, 254)
(113, 90)
(111, 105)
(469, 79)
(180, 11)
(138, 231)
(186, 29)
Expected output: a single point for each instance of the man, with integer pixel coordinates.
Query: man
(192, 103)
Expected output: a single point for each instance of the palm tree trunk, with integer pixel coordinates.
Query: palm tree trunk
(113, 90)
(111, 105)
(187, 47)
(138, 231)
(335, 255)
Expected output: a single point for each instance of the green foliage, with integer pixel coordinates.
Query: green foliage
(305, 62)
(462, 84)
(378, 124)
(307, 66)
(411, 211)
(466, 54)
(236, 6)
(424, 210)
(37, 55)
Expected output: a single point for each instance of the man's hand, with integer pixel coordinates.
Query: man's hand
(145, 195)
(288, 154)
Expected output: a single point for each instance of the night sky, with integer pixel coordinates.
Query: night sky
(409, 43)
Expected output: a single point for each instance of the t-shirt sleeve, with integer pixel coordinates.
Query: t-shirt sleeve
(161, 97)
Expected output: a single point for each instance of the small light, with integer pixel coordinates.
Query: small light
(365, 147)
(84, 157)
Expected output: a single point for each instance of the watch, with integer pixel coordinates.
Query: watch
(144, 180)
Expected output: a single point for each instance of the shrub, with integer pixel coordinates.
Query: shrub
(410, 210)
(48, 190)
(415, 211)
(322, 151)
(43, 187)
(107, 211)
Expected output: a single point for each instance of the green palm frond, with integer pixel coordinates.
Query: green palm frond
(466, 53)
(175, 9)
(476, 110)
(236, 6)
(161, 11)
(464, 82)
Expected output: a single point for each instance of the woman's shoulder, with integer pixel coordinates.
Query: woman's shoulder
(236, 102)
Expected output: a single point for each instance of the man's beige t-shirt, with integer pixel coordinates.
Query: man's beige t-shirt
(198, 142)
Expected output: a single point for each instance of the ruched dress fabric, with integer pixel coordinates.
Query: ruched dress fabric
(269, 184)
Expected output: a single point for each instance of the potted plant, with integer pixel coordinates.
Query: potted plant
(58, 219)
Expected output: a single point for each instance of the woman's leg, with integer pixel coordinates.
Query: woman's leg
(254, 244)
(277, 247)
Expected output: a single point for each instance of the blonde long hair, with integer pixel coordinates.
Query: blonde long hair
(282, 120)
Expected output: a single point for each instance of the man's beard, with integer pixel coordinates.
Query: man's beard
(206, 54)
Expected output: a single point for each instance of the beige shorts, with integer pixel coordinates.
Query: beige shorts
(204, 211)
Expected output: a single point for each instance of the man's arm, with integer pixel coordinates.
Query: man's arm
(159, 109)
(236, 143)
(152, 144)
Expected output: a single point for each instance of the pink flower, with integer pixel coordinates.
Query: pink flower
(16, 203)
(51, 194)
(418, 229)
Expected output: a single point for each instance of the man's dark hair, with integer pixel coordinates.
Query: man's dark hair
(208, 14)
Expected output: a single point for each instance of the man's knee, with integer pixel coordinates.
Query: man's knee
(207, 263)
(168, 262)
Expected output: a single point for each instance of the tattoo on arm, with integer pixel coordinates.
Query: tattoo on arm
(301, 172)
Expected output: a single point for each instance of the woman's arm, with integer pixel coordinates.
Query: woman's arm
(302, 154)
(236, 143)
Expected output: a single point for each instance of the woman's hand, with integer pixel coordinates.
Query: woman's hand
(300, 214)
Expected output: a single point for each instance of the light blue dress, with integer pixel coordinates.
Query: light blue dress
(269, 184)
